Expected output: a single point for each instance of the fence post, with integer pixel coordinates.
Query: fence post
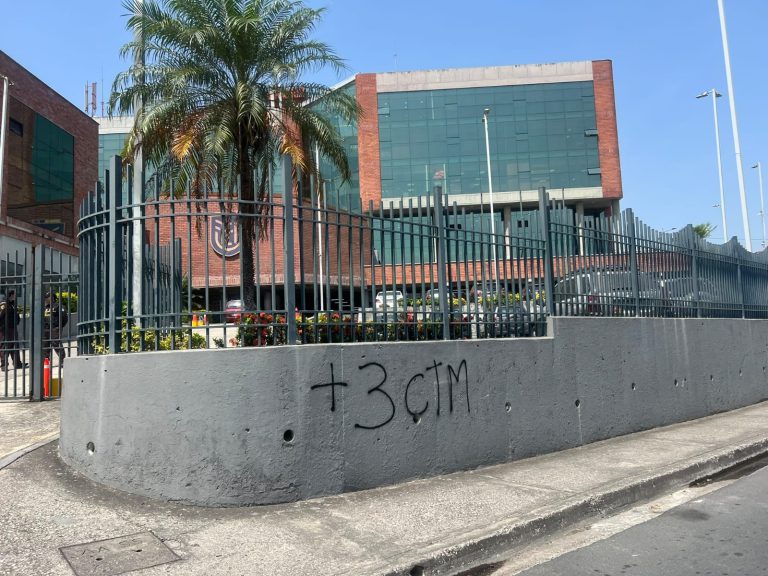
(546, 234)
(36, 340)
(289, 279)
(441, 259)
(633, 269)
(115, 253)
(693, 241)
(739, 282)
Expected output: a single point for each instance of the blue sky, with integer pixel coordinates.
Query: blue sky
(664, 53)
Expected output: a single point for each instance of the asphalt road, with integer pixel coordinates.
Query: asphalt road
(724, 533)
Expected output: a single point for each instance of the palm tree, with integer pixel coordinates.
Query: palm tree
(704, 230)
(217, 95)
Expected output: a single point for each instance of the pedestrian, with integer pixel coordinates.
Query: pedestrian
(9, 325)
(54, 319)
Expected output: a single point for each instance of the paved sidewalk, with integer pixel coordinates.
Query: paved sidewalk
(24, 424)
(437, 526)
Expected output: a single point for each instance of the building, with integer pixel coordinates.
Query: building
(49, 164)
(550, 125)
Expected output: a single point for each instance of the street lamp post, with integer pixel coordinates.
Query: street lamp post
(715, 95)
(321, 213)
(486, 112)
(762, 198)
(735, 128)
(3, 129)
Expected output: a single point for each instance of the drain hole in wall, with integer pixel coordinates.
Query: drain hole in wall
(508, 407)
(417, 571)
(288, 436)
(416, 418)
(634, 386)
(90, 447)
(675, 381)
(578, 403)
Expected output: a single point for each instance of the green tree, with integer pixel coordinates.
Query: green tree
(704, 230)
(217, 95)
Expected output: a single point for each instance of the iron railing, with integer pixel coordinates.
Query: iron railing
(173, 273)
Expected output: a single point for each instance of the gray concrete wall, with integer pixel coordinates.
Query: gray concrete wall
(267, 425)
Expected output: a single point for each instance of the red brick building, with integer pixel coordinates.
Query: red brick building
(49, 163)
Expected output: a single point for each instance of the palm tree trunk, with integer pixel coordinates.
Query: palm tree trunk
(248, 220)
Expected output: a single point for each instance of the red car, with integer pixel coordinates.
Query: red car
(234, 311)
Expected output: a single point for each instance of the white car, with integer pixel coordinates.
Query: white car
(389, 299)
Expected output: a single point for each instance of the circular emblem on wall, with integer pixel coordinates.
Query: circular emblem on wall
(225, 235)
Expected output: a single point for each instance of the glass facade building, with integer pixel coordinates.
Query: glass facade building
(549, 126)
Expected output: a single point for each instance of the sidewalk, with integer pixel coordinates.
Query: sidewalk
(24, 425)
(441, 525)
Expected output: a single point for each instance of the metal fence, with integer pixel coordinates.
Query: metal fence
(38, 320)
(184, 272)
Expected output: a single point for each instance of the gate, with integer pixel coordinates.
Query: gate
(38, 320)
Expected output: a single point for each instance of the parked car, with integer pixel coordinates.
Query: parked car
(389, 299)
(233, 311)
(608, 293)
(683, 301)
(513, 320)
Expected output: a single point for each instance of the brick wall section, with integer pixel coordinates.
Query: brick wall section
(608, 139)
(368, 140)
(342, 244)
(33, 93)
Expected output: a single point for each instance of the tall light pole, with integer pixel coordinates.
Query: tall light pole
(320, 212)
(715, 95)
(735, 128)
(3, 129)
(762, 198)
(486, 112)
(137, 194)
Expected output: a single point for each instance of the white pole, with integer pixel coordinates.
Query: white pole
(320, 226)
(3, 130)
(715, 96)
(735, 128)
(137, 236)
(490, 194)
(762, 198)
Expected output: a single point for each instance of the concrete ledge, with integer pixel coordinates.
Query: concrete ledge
(261, 426)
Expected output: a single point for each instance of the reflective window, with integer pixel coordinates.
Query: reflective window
(53, 162)
(538, 136)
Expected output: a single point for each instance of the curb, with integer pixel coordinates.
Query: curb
(13, 456)
(494, 543)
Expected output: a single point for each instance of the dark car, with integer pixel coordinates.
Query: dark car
(608, 293)
(513, 320)
(233, 311)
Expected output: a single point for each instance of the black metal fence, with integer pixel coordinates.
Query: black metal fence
(184, 272)
(38, 319)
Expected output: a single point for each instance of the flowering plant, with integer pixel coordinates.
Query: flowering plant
(254, 330)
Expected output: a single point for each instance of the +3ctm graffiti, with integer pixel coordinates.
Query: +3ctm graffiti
(383, 395)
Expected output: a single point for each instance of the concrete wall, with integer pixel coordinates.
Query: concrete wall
(267, 425)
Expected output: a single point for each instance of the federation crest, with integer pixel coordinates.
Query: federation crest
(225, 236)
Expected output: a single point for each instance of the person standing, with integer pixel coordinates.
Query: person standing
(9, 324)
(54, 319)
